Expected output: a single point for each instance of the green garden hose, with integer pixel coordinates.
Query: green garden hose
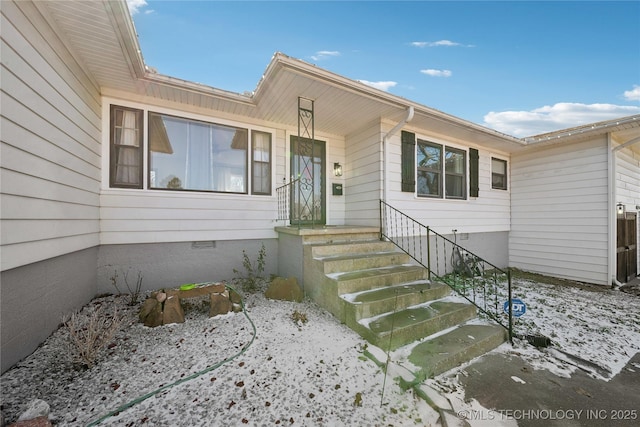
(185, 379)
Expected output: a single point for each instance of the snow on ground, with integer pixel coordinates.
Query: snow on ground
(295, 373)
(598, 325)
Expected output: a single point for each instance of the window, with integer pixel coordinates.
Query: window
(185, 154)
(429, 170)
(455, 165)
(260, 158)
(126, 147)
(434, 174)
(192, 155)
(498, 174)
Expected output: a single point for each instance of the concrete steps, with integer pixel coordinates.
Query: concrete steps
(453, 348)
(399, 328)
(375, 290)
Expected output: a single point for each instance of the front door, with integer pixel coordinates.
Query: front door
(308, 206)
(626, 248)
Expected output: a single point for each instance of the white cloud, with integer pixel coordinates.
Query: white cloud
(437, 73)
(136, 5)
(385, 86)
(559, 116)
(446, 43)
(324, 54)
(633, 94)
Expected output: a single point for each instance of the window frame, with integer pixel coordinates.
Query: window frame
(505, 186)
(254, 162)
(113, 147)
(463, 175)
(144, 173)
(442, 172)
(199, 121)
(439, 172)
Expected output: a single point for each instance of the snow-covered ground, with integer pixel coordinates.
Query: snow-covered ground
(218, 371)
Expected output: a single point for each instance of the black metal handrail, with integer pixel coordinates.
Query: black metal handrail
(283, 194)
(477, 280)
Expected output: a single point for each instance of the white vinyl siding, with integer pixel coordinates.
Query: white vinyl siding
(130, 216)
(559, 220)
(363, 177)
(489, 212)
(628, 177)
(51, 128)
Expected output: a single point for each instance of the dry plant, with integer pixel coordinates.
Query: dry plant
(299, 318)
(90, 333)
(134, 291)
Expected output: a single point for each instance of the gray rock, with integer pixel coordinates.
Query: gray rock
(36, 408)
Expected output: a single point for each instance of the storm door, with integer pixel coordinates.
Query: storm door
(308, 205)
(627, 247)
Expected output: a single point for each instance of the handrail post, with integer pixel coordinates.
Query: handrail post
(510, 307)
(428, 254)
(381, 221)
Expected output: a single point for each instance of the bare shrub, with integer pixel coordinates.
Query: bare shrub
(134, 291)
(90, 333)
(253, 278)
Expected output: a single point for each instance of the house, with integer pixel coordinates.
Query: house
(111, 169)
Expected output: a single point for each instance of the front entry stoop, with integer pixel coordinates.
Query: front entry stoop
(378, 292)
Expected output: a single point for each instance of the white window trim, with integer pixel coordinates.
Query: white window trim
(444, 144)
(507, 172)
(146, 108)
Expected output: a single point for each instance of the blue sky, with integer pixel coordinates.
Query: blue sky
(522, 68)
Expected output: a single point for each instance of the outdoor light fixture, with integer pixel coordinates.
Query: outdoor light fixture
(337, 169)
(620, 208)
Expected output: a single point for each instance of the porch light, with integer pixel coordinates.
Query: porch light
(620, 208)
(337, 169)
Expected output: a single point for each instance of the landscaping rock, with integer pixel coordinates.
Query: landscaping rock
(147, 307)
(235, 297)
(284, 289)
(35, 408)
(172, 312)
(165, 307)
(35, 422)
(36, 415)
(154, 318)
(219, 304)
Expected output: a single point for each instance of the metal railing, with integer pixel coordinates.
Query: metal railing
(283, 194)
(477, 280)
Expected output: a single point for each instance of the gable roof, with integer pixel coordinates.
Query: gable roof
(102, 37)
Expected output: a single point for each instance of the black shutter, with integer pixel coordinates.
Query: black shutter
(408, 161)
(474, 185)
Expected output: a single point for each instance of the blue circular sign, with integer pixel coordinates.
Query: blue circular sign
(518, 306)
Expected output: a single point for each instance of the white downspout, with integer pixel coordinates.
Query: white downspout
(612, 213)
(385, 150)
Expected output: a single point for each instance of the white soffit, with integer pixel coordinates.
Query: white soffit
(102, 35)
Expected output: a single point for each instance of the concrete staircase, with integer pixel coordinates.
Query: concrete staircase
(379, 293)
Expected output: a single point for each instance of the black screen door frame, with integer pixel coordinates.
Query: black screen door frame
(308, 171)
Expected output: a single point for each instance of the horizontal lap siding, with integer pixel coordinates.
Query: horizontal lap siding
(154, 216)
(51, 128)
(363, 172)
(489, 212)
(628, 177)
(335, 204)
(559, 221)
